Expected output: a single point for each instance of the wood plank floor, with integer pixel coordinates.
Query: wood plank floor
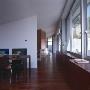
(48, 76)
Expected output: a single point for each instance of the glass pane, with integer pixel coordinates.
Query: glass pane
(76, 31)
(59, 41)
(49, 43)
(68, 34)
(88, 27)
(68, 47)
(50, 39)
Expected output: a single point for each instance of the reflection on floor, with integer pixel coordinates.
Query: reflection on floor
(46, 77)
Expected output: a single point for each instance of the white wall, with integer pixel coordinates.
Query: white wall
(14, 34)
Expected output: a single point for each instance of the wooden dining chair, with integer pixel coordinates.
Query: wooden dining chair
(5, 67)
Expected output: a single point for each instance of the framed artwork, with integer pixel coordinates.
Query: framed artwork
(4, 51)
(19, 51)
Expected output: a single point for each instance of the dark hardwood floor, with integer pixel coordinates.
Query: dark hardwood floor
(48, 76)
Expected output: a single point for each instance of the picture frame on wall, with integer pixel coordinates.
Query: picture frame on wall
(4, 52)
(19, 51)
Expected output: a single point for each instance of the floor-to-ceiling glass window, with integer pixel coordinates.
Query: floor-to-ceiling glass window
(76, 28)
(88, 27)
(50, 44)
(68, 37)
(59, 40)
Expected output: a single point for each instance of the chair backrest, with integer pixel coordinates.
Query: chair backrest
(4, 62)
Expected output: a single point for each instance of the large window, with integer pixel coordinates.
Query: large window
(59, 40)
(76, 29)
(68, 37)
(50, 44)
(88, 27)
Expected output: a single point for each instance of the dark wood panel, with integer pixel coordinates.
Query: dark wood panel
(41, 41)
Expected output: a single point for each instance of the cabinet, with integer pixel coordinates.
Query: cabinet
(77, 77)
(41, 41)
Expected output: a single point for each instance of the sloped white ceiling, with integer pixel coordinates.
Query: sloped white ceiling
(47, 11)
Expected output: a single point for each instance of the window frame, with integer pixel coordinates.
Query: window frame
(86, 32)
(83, 19)
(75, 6)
